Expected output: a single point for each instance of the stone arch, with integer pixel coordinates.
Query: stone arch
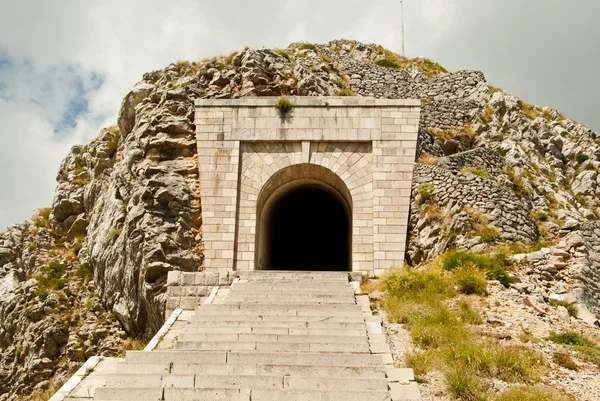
(297, 180)
(351, 162)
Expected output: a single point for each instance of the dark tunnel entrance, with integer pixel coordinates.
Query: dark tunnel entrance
(308, 228)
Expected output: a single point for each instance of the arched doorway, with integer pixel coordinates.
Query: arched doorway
(305, 223)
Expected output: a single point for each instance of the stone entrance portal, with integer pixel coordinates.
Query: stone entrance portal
(326, 187)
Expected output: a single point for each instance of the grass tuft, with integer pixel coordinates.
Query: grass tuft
(283, 106)
(470, 280)
(532, 393)
(564, 360)
(571, 338)
(387, 63)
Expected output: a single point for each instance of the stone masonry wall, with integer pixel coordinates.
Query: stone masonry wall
(186, 290)
(368, 144)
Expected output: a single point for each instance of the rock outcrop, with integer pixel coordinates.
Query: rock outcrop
(491, 170)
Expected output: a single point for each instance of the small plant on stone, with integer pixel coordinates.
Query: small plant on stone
(426, 158)
(283, 106)
(345, 92)
(425, 193)
(581, 157)
(570, 307)
(478, 171)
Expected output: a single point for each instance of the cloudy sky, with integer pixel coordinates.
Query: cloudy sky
(65, 65)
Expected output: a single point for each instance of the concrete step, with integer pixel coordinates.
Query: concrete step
(347, 329)
(202, 313)
(316, 395)
(131, 381)
(245, 290)
(197, 394)
(302, 316)
(300, 324)
(272, 346)
(282, 338)
(232, 298)
(244, 358)
(266, 306)
(231, 369)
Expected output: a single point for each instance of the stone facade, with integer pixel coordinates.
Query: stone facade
(362, 148)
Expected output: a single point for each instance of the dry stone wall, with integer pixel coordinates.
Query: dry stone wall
(475, 158)
(584, 245)
(462, 198)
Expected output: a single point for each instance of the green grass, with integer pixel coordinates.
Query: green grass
(470, 280)
(571, 338)
(113, 234)
(441, 328)
(387, 63)
(283, 53)
(307, 46)
(478, 171)
(571, 308)
(283, 106)
(345, 92)
(113, 144)
(590, 167)
(518, 184)
(467, 314)
(532, 393)
(581, 157)
(493, 265)
(564, 360)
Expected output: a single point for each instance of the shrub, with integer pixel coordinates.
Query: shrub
(581, 158)
(470, 280)
(387, 63)
(532, 393)
(590, 166)
(564, 360)
(283, 106)
(571, 338)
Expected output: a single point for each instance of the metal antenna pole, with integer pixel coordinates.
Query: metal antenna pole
(402, 25)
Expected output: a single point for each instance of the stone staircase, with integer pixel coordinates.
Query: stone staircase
(270, 336)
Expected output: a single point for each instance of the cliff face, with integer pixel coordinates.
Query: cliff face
(492, 170)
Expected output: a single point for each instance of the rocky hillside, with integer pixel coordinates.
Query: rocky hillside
(493, 173)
